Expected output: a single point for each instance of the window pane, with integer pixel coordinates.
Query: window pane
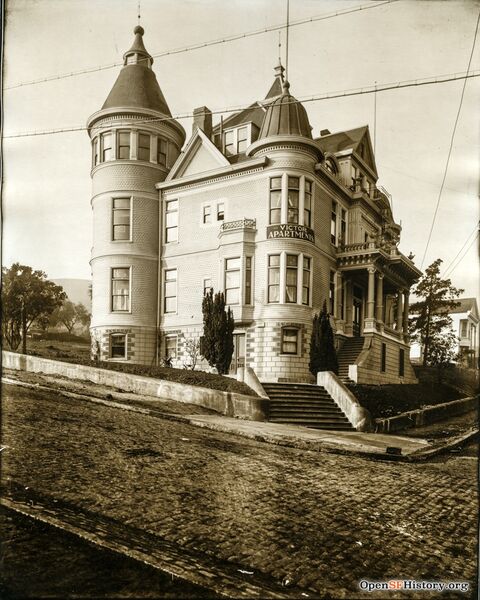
(291, 294)
(172, 235)
(294, 182)
(220, 212)
(143, 140)
(143, 154)
(306, 262)
(274, 260)
(232, 279)
(121, 232)
(273, 293)
(172, 205)
(293, 198)
(292, 260)
(171, 275)
(241, 145)
(232, 263)
(308, 201)
(232, 296)
(275, 183)
(170, 304)
(171, 219)
(275, 199)
(242, 133)
(121, 217)
(117, 346)
(121, 273)
(121, 203)
(308, 186)
(171, 347)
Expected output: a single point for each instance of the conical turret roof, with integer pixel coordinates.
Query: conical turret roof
(285, 116)
(137, 85)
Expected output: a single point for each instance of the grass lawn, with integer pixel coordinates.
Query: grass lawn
(75, 349)
(389, 400)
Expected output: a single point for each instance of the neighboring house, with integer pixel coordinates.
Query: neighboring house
(256, 207)
(465, 326)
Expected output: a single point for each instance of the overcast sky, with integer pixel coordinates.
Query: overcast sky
(46, 188)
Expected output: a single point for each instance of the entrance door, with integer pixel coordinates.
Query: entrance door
(357, 310)
(238, 357)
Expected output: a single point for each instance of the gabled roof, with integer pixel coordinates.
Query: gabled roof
(200, 155)
(350, 140)
(465, 305)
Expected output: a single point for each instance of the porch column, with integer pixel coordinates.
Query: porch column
(399, 310)
(379, 303)
(370, 319)
(339, 299)
(406, 295)
(348, 307)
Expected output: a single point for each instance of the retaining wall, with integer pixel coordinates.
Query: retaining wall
(226, 403)
(426, 416)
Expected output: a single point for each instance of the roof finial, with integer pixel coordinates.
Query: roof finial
(138, 12)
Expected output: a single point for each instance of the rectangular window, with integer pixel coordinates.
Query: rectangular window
(232, 280)
(95, 151)
(171, 347)
(463, 328)
(242, 135)
(275, 200)
(343, 227)
(293, 199)
(331, 293)
(118, 345)
(384, 358)
(143, 152)
(171, 221)
(228, 143)
(307, 204)
(220, 211)
(401, 362)
(107, 153)
(121, 289)
(289, 341)
(162, 151)
(342, 300)
(248, 280)
(123, 144)
(121, 213)
(333, 224)
(207, 214)
(207, 285)
(274, 278)
(291, 278)
(306, 280)
(170, 291)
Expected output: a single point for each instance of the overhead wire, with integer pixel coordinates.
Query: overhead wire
(452, 138)
(438, 79)
(449, 268)
(208, 44)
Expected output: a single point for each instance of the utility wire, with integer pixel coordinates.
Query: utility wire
(464, 254)
(451, 143)
(201, 45)
(315, 98)
(461, 249)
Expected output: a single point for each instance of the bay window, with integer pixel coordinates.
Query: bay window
(289, 279)
(290, 200)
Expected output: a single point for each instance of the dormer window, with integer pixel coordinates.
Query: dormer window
(235, 141)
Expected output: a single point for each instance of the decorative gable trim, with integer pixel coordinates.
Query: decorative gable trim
(198, 139)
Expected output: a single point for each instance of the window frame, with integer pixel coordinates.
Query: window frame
(165, 297)
(231, 270)
(236, 141)
(206, 288)
(169, 337)
(281, 199)
(160, 141)
(130, 219)
(294, 269)
(281, 284)
(95, 151)
(270, 269)
(111, 346)
(332, 295)
(308, 287)
(248, 281)
(294, 209)
(401, 362)
(333, 223)
(129, 288)
(139, 147)
(103, 135)
(383, 358)
(289, 328)
(220, 212)
(167, 212)
(119, 133)
(207, 214)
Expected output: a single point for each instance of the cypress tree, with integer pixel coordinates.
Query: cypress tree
(323, 356)
(218, 326)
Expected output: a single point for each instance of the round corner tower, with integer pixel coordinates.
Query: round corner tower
(135, 142)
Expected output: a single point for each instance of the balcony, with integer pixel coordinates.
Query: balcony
(241, 230)
(239, 224)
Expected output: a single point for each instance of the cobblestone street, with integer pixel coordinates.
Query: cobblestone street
(320, 521)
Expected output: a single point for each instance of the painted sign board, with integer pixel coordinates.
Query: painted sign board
(297, 232)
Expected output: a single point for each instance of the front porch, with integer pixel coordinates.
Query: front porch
(371, 301)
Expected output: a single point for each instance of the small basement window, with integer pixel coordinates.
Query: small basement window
(118, 345)
(289, 341)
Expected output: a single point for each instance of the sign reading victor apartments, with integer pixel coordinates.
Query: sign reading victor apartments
(299, 232)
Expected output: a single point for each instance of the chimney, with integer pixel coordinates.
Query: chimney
(324, 132)
(202, 119)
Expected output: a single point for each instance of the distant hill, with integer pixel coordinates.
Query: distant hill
(76, 290)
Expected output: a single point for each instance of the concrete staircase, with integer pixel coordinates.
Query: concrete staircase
(347, 356)
(303, 404)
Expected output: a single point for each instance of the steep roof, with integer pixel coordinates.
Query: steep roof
(137, 85)
(343, 140)
(466, 304)
(285, 116)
